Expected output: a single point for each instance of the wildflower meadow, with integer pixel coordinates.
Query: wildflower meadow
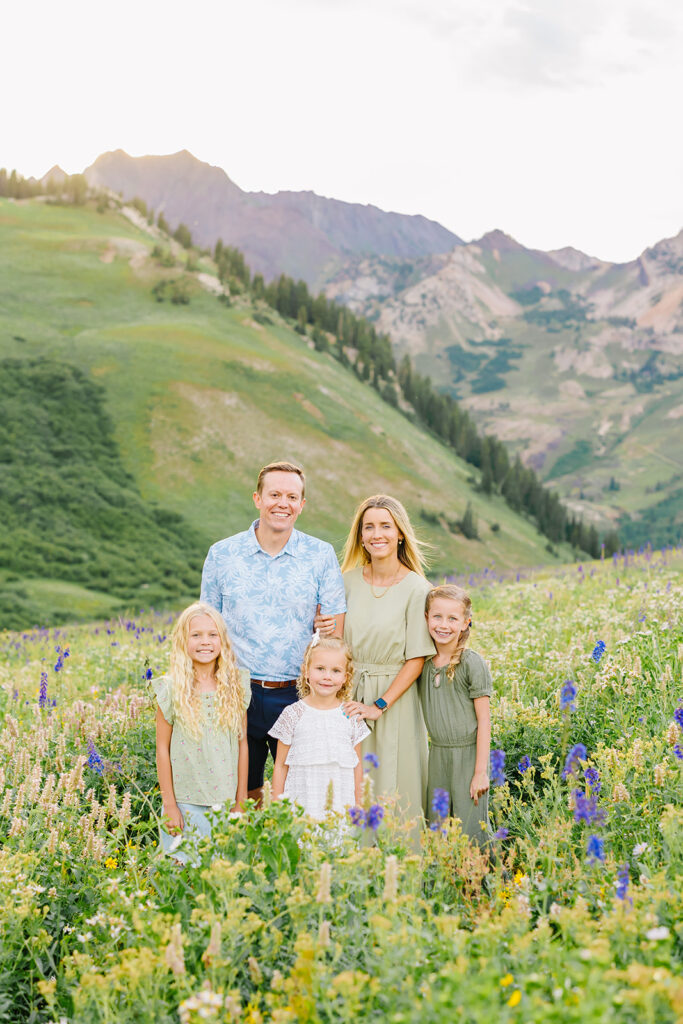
(575, 914)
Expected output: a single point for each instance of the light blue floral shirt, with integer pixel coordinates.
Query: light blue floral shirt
(268, 602)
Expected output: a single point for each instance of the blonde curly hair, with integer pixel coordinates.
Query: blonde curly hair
(451, 592)
(326, 643)
(230, 703)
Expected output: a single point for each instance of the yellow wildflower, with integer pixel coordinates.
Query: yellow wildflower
(515, 998)
(506, 980)
(111, 863)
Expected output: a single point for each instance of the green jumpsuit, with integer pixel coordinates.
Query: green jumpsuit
(448, 707)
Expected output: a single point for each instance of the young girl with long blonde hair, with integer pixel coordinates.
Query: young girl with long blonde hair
(201, 734)
(318, 745)
(455, 689)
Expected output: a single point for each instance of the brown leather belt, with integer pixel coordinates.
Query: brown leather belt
(273, 684)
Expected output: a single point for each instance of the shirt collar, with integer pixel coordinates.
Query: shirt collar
(253, 546)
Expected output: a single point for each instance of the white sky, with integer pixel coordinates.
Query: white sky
(557, 121)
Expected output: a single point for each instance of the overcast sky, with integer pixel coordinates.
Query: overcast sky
(557, 121)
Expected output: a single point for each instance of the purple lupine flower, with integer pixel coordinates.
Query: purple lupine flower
(374, 816)
(592, 777)
(42, 693)
(441, 803)
(678, 717)
(622, 882)
(94, 760)
(524, 764)
(595, 848)
(571, 764)
(357, 816)
(502, 833)
(678, 751)
(147, 674)
(598, 651)
(372, 761)
(568, 696)
(586, 808)
(498, 767)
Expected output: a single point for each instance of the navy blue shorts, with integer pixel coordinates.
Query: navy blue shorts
(267, 704)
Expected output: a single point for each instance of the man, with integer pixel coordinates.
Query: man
(267, 583)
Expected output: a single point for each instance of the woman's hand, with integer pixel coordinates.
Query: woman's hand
(173, 819)
(478, 786)
(325, 624)
(354, 709)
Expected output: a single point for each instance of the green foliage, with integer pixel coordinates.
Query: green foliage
(285, 920)
(176, 289)
(578, 457)
(468, 523)
(69, 509)
(183, 235)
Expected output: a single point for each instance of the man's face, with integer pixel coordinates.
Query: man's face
(280, 500)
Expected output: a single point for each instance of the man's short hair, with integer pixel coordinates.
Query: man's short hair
(281, 467)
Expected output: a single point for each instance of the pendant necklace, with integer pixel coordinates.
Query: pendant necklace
(394, 580)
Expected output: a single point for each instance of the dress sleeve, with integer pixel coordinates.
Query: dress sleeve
(211, 591)
(331, 585)
(478, 676)
(418, 641)
(359, 730)
(162, 692)
(285, 726)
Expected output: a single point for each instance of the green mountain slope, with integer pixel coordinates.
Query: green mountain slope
(201, 395)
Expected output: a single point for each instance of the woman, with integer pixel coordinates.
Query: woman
(386, 629)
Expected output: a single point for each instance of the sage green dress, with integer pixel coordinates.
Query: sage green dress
(383, 633)
(452, 726)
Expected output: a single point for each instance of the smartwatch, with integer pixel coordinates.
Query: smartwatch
(381, 704)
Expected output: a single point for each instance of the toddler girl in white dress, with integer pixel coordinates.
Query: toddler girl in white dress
(318, 750)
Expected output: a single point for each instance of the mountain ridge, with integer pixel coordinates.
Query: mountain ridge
(292, 232)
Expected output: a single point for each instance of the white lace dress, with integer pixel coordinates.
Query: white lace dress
(321, 751)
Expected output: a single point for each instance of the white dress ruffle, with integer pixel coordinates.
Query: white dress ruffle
(321, 753)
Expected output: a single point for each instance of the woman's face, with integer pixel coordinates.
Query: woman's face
(379, 533)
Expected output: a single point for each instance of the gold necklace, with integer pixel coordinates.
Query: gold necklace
(386, 589)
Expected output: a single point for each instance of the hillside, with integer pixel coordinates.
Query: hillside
(298, 233)
(574, 362)
(200, 395)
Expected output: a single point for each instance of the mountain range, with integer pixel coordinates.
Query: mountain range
(297, 233)
(573, 361)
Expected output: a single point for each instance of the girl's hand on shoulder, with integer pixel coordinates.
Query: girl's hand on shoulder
(478, 786)
(355, 709)
(173, 820)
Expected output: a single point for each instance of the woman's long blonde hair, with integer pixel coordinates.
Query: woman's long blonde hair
(410, 549)
(326, 643)
(230, 702)
(450, 592)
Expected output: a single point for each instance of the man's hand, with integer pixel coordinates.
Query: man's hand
(325, 624)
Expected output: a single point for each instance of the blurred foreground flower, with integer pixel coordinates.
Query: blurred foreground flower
(372, 761)
(568, 696)
(441, 803)
(498, 767)
(595, 848)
